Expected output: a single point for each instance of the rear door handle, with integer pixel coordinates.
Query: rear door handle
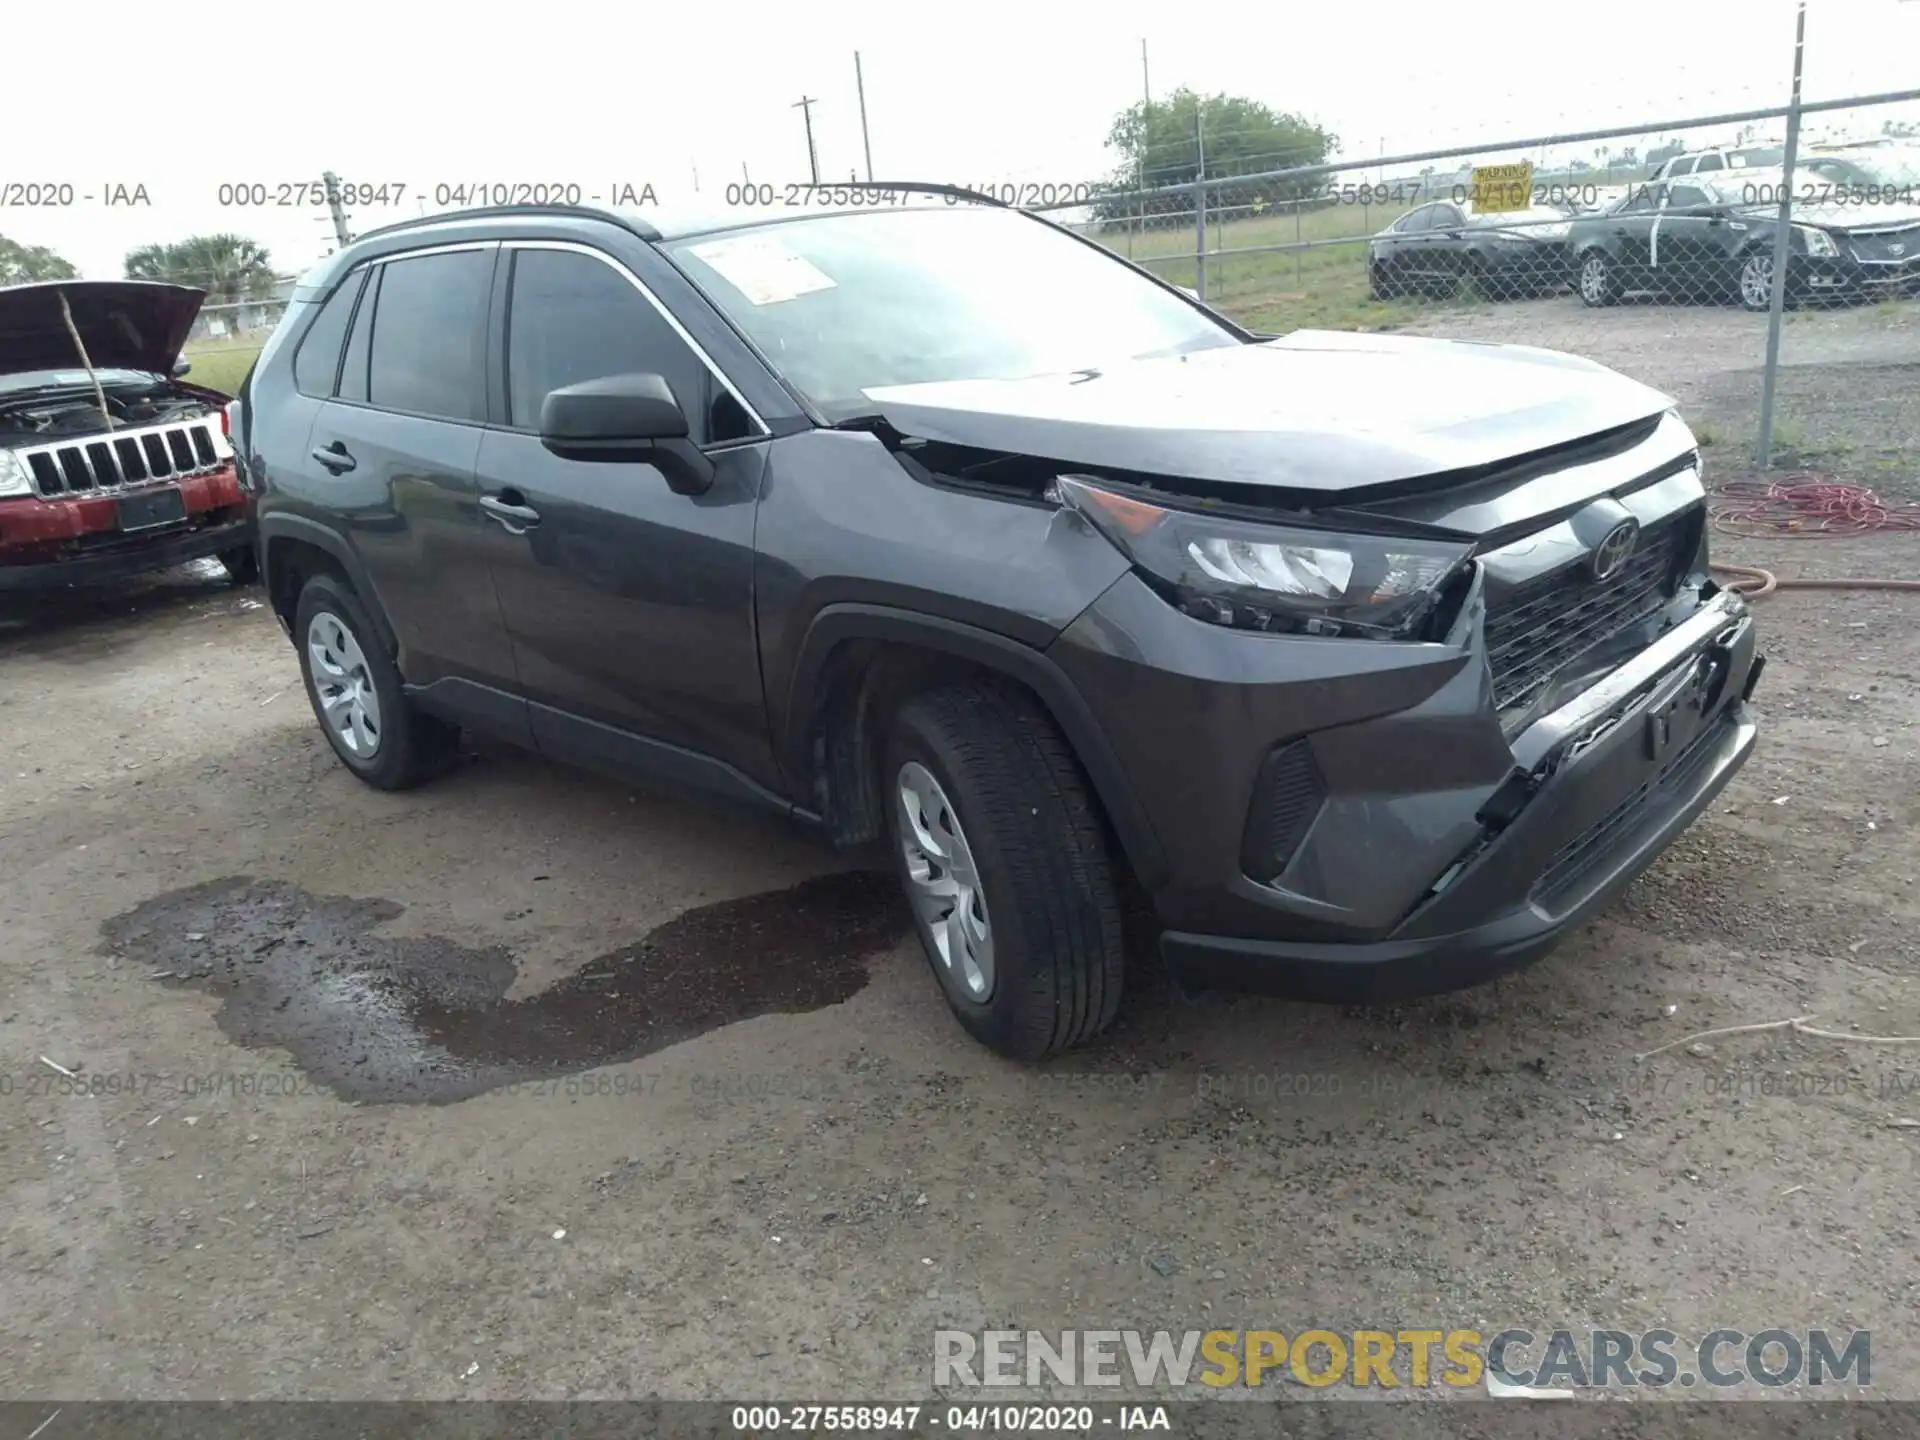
(517, 518)
(335, 457)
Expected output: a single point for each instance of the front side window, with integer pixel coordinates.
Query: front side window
(1687, 197)
(572, 317)
(426, 351)
(841, 304)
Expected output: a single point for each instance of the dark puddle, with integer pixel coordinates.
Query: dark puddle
(425, 1021)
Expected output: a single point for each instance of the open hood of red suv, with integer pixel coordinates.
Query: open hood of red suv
(125, 324)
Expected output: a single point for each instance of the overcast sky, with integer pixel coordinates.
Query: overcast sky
(984, 92)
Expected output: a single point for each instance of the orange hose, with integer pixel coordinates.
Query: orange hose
(1804, 506)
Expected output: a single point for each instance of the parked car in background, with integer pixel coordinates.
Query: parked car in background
(1377, 663)
(111, 463)
(1445, 247)
(1718, 160)
(1712, 238)
(1867, 174)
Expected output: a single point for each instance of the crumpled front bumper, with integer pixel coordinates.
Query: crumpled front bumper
(1441, 853)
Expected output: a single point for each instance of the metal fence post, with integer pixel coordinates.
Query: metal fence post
(1200, 198)
(1782, 250)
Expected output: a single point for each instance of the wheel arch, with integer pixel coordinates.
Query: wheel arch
(292, 548)
(857, 660)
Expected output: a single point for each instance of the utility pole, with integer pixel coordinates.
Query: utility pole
(860, 84)
(1146, 132)
(1780, 262)
(1200, 196)
(805, 106)
(335, 211)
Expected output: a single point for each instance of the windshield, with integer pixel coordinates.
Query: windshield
(846, 303)
(1894, 165)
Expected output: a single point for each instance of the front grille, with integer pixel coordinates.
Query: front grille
(106, 463)
(1887, 247)
(1576, 858)
(1543, 625)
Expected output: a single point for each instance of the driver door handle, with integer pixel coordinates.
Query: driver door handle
(516, 518)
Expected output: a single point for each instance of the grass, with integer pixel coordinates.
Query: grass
(1321, 282)
(220, 364)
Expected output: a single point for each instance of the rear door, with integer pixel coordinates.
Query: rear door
(630, 607)
(395, 446)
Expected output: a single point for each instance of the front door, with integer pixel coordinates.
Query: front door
(630, 607)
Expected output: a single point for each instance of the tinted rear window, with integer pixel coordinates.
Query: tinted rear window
(427, 352)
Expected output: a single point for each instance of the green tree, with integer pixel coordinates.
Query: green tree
(22, 264)
(230, 268)
(1161, 144)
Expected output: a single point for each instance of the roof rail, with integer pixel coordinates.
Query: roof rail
(492, 212)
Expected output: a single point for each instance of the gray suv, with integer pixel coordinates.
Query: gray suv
(1374, 663)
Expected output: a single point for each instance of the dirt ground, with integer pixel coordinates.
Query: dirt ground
(346, 1065)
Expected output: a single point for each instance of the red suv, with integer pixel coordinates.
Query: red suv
(110, 463)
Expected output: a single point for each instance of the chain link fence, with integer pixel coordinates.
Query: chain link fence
(1652, 249)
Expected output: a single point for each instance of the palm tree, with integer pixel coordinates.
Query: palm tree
(230, 268)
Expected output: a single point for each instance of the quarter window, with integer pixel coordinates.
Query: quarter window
(317, 360)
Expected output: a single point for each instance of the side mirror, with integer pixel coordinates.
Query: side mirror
(626, 418)
(181, 367)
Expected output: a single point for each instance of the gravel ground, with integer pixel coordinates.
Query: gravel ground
(777, 1163)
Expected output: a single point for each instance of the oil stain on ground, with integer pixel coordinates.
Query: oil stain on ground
(408, 1020)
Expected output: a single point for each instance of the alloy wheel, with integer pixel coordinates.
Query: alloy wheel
(343, 686)
(943, 882)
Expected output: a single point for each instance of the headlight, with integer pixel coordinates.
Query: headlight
(1819, 242)
(1255, 576)
(15, 478)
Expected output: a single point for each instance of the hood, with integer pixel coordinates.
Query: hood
(1841, 215)
(1315, 410)
(125, 324)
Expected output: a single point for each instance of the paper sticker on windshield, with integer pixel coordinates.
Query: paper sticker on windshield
(763, 269)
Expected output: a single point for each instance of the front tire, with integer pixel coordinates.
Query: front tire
(1006, 865)
(355, 690)
(1599, 285)
(1753, 281)
(242, 565)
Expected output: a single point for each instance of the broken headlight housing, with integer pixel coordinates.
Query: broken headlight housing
(1254, 576)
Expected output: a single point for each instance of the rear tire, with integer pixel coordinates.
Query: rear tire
(387, 743)
(1005, 860)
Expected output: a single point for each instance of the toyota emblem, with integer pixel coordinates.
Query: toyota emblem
(1897, 247)
(1616, 549)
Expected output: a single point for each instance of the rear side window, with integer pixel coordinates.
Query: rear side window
(1709, 162)
(317, 360)
(426, 354)
(573, 317)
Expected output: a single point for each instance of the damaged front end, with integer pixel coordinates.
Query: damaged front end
(110, 463)
(1426, 723)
